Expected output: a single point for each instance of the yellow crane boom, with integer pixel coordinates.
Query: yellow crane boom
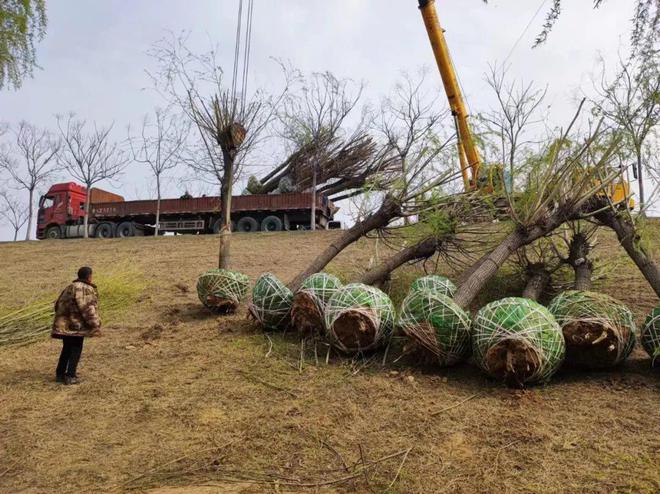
(467, 150)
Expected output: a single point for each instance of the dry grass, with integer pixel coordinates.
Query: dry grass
(175, 396)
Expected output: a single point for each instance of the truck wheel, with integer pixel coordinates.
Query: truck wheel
(53, 233)
(271, 224)
(104, 230)
(247, 224)
(125, 229)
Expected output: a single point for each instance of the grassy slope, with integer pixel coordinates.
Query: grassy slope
(171, 382)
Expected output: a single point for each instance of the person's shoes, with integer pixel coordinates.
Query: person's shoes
(59, 378)
(71, 380)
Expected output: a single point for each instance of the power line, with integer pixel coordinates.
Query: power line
(529, 24)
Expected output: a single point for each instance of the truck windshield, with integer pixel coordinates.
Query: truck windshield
(46, 202)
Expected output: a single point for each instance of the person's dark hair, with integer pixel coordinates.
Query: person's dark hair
(84, 273)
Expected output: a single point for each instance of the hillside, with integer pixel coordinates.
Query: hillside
(174, 396)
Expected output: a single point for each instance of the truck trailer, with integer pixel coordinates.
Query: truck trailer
(62, 209)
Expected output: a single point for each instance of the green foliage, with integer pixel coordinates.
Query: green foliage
(22, 23)
(650, 335)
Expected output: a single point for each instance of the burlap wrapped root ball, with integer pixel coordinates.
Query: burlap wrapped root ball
(358, 318)
(437, 324)
(598, 329)
(309, 303)
(650, 336)
(221, 290)
(271, 302)
(518, 341)
(437, 283)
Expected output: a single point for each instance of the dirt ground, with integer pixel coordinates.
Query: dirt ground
(176, 400)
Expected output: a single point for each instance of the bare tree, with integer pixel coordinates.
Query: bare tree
(13, 211)
(159, 146)
(230, 125)
(632, 102)
(510, 121)
(30, 160)
(90, 156)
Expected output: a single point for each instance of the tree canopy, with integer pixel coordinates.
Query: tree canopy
(22, 23)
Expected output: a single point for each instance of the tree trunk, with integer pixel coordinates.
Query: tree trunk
(388, 210)
(157, 229)
(313, 218)
(640, 179)
(630, 240)
(380, 274)
(225, 201)
(491, 262)
(86, 215)
(16, 234)
(537, 280)
(30, 214)
(583, 273)
(578, 258)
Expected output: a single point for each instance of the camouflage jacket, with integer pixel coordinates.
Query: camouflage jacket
(76, 311)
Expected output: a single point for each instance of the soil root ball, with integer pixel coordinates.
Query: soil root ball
(271, 302)
(517, 341)
(221, 290)
(437, 324)
(598, 329)
(358, 318)
(310, 301)
(436, 283)
(650, 336)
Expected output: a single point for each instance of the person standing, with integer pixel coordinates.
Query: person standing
(76, 317)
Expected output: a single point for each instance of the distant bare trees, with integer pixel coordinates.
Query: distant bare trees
(89, 155)
(30, 159)
(159, 146)
(13, 211)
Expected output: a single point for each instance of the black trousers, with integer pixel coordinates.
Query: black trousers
(71, 350)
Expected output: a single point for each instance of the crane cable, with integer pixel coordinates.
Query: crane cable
(529, 24)
(237, 50)
(246, 54)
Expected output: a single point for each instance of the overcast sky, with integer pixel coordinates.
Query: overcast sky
(93, 58)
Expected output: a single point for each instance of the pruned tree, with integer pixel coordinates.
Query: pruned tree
(30, 159)
(568, 181)
(13, 211)
(89, 155)
(159, 146)
(22, 24)
(632, 102)
(229, 125)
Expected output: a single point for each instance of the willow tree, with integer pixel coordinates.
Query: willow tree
(22, 24)
(229, 125)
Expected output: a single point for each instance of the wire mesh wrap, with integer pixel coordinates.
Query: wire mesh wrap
(359, 317)
(518, 341)
(437, 324)
(271, 302)
(310, 300)
(598, 329)
(651, 335)
(437, 283)
(221, 290)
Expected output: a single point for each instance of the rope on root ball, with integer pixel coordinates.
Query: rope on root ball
(358, 318)
(271, 302)
(437, 283)
(221, 290)
(437, 324)
(310, 301)
(518, 341)
(598, 329)
(650, 336)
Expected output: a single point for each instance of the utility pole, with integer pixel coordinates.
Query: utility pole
(313, 219)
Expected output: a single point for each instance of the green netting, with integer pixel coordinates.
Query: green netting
(271, 302)
(651, 334)
(437, 323)
(437, 283)
(599, 330)
(359, 317)
(517, 338)
(221, 289)
(321, 287)
(310, 300)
